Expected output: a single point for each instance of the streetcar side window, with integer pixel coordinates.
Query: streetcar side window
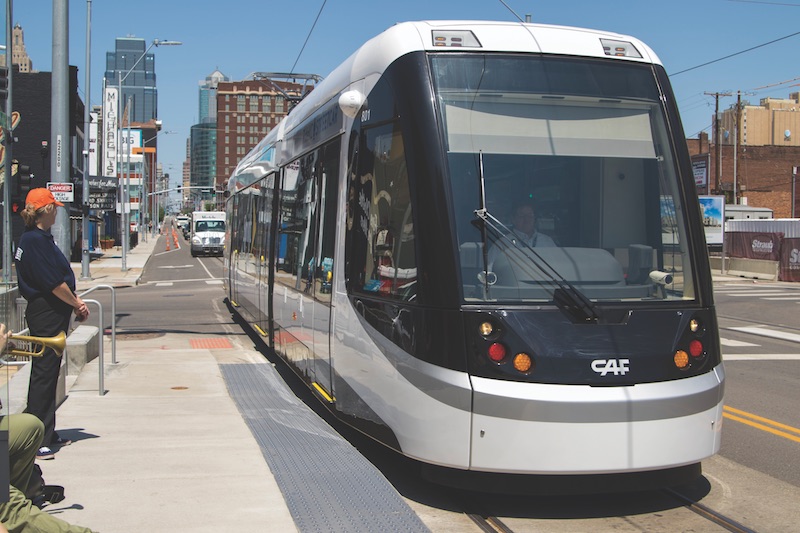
(381, 254)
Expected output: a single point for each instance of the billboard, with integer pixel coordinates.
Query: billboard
(712, 209)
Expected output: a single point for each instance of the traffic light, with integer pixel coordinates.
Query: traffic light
(21, 181)
(3, 83)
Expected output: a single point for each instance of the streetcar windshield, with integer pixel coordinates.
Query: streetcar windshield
(562, 176)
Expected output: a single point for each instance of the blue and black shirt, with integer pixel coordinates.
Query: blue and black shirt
(41, 267)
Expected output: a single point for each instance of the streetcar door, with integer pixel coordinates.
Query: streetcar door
(327, 177)
(302, 296)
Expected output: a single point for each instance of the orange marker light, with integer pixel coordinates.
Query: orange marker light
(523, 363)
(681, 359)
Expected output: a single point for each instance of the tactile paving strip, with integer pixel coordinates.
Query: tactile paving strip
(327, 484)
(210, 343)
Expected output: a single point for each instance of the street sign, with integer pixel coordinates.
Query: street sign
(63, 192)
(104, 200)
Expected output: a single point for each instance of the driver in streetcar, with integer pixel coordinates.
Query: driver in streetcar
(523, 232)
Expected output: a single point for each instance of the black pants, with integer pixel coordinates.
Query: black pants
(45, 318)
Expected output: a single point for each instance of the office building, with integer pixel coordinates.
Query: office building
(139, 73)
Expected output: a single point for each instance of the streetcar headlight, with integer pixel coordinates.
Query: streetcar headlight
(486, 328)
(695, 326)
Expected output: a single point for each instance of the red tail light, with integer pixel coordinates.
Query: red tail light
(696, 348)
(497, 352)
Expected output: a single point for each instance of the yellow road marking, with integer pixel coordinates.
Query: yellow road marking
(756, 421)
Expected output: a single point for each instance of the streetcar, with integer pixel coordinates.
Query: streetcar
(375, 242)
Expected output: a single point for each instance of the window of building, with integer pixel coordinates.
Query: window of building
(279, 104)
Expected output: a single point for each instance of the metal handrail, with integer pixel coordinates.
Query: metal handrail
(113, 319)
(101, 389)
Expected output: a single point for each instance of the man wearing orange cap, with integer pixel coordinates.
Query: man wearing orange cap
(47, 282)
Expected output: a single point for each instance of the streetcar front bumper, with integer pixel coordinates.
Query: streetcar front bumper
(576, 429)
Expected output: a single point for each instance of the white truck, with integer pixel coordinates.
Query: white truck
(208, 233)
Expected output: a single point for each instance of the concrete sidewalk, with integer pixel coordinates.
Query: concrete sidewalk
(165, 448)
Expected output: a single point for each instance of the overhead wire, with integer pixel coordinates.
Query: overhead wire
(735, 54)
(309, 34)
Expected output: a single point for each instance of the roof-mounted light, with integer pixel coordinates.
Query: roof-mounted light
(455, 39)
(619, 48)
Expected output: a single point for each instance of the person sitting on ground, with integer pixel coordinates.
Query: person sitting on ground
(25, 433)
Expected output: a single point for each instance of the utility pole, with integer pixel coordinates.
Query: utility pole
(736, 148)
(6, 146)
(60, 164)
(85, 258)
(718, 152)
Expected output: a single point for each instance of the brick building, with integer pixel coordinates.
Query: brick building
(768, 139)
(246, 111)
(764, 174)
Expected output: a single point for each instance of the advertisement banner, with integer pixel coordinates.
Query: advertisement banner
(700, 170)
(713, 209)
(130, 139)
(790, 260)
(110, 121)
(753, 245)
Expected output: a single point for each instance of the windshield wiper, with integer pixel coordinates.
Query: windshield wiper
(566, 296)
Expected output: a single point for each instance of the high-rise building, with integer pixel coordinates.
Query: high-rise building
(128, 61)
(208, 96)
(19, 56)
(204, 155)
(186, 173)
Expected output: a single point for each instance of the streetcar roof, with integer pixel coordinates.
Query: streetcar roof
(459, 36)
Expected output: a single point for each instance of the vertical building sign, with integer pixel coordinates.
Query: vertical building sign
(93, 144)
(110, 151)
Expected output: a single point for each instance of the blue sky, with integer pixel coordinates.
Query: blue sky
(243, 36)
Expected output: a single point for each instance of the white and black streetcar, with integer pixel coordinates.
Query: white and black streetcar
(377, 241)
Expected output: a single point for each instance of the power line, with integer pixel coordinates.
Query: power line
(309, 34)
(734, 54)
(765, 2)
